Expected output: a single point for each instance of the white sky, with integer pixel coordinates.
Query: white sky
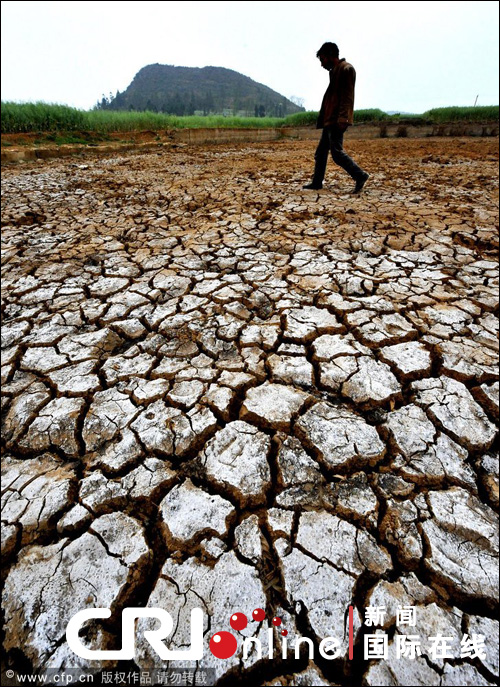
(409, 56)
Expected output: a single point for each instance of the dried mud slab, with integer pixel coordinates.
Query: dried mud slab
(462, 537)
(49, 584)
(222, 391)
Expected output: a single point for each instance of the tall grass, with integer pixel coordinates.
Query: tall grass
(301, 119)
(373, 115)
(484, 113)
(45, 117)
(107, 121)
(440, 115)
(27, 117)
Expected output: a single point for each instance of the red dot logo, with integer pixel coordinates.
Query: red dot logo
(223, 645)
(259, 615)
(276, 622)
(238, 621)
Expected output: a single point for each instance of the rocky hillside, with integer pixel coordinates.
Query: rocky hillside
(207, 90)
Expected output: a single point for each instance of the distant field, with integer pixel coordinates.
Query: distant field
(43, 117)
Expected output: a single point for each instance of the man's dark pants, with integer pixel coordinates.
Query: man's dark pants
(332, 141)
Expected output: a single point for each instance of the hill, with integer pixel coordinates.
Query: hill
(192, 90)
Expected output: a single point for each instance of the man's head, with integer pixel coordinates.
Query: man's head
(328, 55)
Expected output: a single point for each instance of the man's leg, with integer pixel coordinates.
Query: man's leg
(341, 158)
(320, 160)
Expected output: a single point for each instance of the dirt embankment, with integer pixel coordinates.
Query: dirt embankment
(31, 146)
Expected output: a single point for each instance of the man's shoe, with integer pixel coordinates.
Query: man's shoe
(361, 182)
(313, 187)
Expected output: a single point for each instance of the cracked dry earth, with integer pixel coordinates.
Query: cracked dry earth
(222, 391)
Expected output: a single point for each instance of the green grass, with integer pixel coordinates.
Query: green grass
(106, 120)
(61, 119)
(442, 115)
(29, 117)
(375, 115)
(300, 119)
(38, 117)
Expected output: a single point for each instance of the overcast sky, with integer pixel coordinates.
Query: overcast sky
(409, 56)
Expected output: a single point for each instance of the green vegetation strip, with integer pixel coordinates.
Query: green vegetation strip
(44, 117)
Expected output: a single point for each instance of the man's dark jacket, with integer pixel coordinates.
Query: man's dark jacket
(337, 107)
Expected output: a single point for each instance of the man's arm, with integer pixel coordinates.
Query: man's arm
(346, 97)
(320, 123)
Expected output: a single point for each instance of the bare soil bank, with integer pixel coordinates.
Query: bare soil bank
(23, 147)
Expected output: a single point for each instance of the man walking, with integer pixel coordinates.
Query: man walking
(335, 116)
